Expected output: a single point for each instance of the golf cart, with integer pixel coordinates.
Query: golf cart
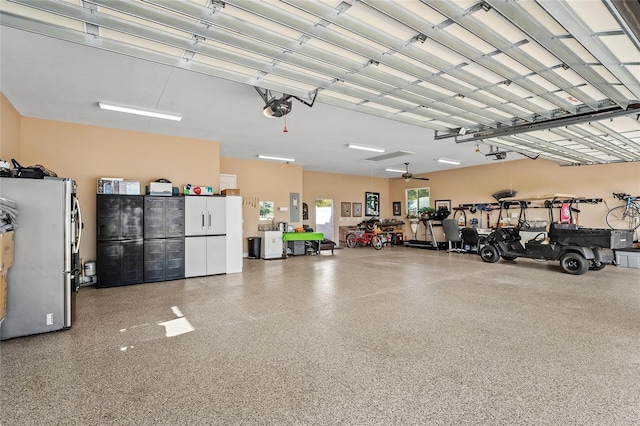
(577, 249)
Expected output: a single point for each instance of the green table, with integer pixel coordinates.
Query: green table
(304, 236)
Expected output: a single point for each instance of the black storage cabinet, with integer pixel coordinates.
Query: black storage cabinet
(163, 238)
(119, 240)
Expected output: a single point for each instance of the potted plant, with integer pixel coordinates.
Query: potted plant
(426, 212)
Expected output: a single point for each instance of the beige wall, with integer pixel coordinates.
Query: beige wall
(9, 130)
(343, 188)
(86, 153)
(531, 177)
(263, 181)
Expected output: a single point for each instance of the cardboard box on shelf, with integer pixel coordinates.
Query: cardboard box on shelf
(7, 240)
(230, 191)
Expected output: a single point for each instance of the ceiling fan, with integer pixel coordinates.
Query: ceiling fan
(408, 176)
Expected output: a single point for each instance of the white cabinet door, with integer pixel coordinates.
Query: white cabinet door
(195, 256)
(216, 215)
(271, 244)
(195, 215)
(216, 255)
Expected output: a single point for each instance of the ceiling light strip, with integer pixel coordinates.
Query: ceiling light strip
(364, 148)
(135, 111)
(446, 161)
(276, 158)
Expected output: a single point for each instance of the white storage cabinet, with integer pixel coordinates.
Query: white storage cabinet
(205, 235)
(271, 244)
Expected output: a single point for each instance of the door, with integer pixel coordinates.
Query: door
(216, 255)
(195, 209)
(324, 217)
(216, 216)
(195, 256)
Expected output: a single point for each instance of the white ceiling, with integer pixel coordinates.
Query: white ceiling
(387, 74)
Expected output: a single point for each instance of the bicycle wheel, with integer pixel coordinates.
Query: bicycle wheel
(622, 218)
(352, 240)
(376, 242)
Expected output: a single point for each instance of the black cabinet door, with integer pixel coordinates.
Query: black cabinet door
(119, 263)
(174, 256)
(163, 217)
(131, 217)
(108, 264)
(108, 221)
(174, 217)
(119, 217)
(154, 260)
(154, 217)
(132, 262)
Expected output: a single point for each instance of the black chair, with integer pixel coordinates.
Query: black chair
(470, 238)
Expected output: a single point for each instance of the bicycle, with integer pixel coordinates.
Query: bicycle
(627, 216)
(365, 238)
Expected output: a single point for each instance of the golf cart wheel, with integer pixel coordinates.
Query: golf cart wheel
(489, 254)
(352, 240)
(509, 257)
(574, 264)
(597, 266)
(376, 242)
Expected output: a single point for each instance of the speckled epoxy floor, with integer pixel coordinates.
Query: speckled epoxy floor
(400, 336)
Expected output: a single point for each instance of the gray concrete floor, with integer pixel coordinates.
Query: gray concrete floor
(398, 336)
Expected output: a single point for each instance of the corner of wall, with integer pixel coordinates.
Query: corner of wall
(10, 129)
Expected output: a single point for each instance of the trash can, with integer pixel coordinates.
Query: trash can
(254, 247)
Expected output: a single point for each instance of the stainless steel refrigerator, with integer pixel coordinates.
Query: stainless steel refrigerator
(44, 278)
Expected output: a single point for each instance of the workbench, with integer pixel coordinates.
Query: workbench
(303, 236)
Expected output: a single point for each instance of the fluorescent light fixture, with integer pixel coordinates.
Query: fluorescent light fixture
(445, 161)
(364, 148)
(153, 114)
(395, 170)
(271, 157)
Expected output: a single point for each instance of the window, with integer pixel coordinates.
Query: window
(417, 201)
(266, 210)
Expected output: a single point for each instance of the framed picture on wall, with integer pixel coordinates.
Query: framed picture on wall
(372, 204)
(357, 209)
(443, 204)
(305, 211)
(345, 209)
(396, 208)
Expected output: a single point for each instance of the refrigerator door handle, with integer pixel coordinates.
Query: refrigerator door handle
(79, 224)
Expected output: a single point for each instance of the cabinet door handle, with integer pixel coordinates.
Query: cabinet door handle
(209, 219)
(202, 220)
